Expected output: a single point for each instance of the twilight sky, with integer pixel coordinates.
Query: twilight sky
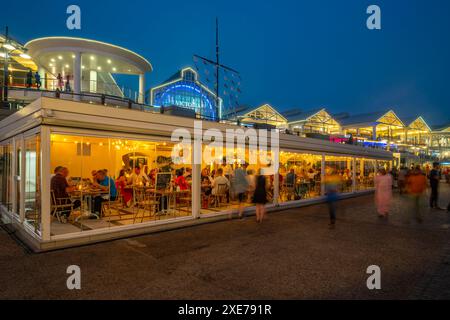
(292, 54)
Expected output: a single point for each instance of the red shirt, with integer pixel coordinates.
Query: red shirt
(181, 182)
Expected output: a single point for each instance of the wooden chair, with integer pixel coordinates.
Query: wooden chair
(59, 206)
(219, 194)
(109, 206)
(184, 200)
(146, 201)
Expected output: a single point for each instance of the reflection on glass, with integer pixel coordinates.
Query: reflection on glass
(32, 183)
(6, 176)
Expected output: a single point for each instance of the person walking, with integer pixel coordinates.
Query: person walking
(241, 186)
(29, 79)
(434, 177)
(383, 193)
(417, 183)
(37, 79)
(402, 179)
(260, 197)
(332, 183)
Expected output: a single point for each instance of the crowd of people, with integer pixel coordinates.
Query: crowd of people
(412, 182)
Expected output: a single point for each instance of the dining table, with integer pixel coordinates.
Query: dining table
(85, 195)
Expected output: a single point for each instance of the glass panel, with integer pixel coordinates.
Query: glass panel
(32, 183)
(365, 174)
(116, 182)
(341, 166)
(300, 176)
(6, 175)
(230, 186)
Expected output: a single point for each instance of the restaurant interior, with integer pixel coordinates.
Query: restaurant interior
(145, 183)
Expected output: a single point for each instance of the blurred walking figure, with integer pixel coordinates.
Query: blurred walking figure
(402, 179)
(434, 177)
(260, 197)
(417, 183)
(383, 192)
(241, 187)
(332, 183)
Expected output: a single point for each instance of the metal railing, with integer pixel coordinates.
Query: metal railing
(19, 97)
(87, 86)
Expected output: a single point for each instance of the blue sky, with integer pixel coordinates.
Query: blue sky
(291, 54)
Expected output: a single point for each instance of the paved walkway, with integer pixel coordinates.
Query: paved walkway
(292, 255)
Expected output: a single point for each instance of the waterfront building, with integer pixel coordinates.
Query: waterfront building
(97, 126)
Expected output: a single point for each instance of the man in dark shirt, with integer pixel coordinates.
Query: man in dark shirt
(434, 177)
(61, 189)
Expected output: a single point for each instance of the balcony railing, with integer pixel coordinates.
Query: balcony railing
(87, 86)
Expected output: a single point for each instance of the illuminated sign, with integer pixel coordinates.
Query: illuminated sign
(186, 92)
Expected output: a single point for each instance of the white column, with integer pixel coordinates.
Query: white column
(45, 183)
(41, 72)
(77, 76)
(196, 169)
(141, 96)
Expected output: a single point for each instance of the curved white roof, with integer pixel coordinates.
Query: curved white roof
(40, 49)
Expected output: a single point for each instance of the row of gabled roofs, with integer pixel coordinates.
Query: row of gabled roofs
(346, 119)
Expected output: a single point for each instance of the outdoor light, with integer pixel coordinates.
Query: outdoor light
(109, 61)
(67, 66)
(60, 57)
(52, 60)
(114, 69)
(9, 46)
(82, 67)
(73, 56)
(99, 68)
(50, 64)
(92, 58)
(25, 56)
